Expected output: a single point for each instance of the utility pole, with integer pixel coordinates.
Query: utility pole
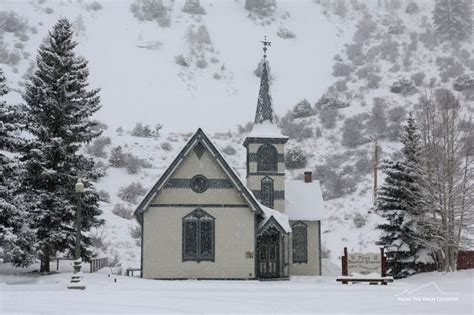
(376, 165)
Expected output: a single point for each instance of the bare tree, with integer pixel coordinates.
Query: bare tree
(447, 141)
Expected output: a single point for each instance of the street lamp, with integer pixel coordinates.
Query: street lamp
(77, 275)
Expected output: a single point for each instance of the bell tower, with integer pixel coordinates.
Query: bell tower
(266, 148)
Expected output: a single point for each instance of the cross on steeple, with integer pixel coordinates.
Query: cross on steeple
(266, 44)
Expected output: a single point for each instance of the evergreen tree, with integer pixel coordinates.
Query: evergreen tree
(453, 18)
(400, 202)
(16, 238)
(58, 114)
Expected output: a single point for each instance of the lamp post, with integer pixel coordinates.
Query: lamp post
(77, 275)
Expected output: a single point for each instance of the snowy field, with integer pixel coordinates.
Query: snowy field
(430, 293)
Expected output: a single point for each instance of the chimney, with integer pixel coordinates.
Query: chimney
(308, 177)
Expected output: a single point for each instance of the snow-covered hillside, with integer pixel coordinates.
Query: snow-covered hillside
(350, 55)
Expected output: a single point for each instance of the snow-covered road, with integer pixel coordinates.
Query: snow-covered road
(431, 293)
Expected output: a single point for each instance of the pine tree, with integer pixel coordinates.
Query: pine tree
(453, 18)
(57, 115)
(400, 202)
(16, 237)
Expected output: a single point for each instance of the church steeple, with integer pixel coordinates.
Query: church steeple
(264, 104)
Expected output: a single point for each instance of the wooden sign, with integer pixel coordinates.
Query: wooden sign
(364, 264)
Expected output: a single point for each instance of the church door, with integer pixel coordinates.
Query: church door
(268, 255)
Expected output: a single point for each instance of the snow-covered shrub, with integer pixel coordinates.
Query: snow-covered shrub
(403, 86)
(11, 22)
(302, 109)
(285, 33)
(123, 211)
(133, 164)
(395, 68)
(341, 69)
(364, 163)
(48, 10)
(340, 8)
(334, 184)
(136, 234)
(143, 131)
(365, 28)
(131, 192)
(341, 85)
(373, 80)
(117, 157)
(295, 158)
(104, 196)
(363, 72)
(452, 71)
(377, 123)
(96, 148)
(413, 45)
(295, 130)
(243, 129)
(412, 8)
(181, 61)
(352, 129)
(166, 146)
(229, 150)
(201, 63)
(418, 78)
(261, 7)
(397, 114)
(151, 10)
(464, 82)
(359, 220)
(330, 101)
(327, 117)
(193, 7)
(396, 27)
(23, 37)
(355, 54)
(19, 45)
(94, 6)
(389, 50)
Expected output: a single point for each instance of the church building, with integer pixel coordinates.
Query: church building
(201, 221)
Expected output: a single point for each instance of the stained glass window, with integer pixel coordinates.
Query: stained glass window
(300, 242)
(267, 195)
(198, 236)
(267, 158)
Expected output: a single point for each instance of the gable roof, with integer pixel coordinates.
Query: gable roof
(199, 136)
(274, 218)
(304, 201)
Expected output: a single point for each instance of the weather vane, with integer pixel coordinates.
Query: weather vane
(265, 45)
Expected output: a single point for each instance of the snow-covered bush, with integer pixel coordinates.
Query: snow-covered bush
(123, 211)
(151, 10)
(340, 85)
(412, 8)
(11, 22)
(418, 78)
(229, 150)
(166, 146)
(285, 33)
(340, 8)
(373, 80)
(181, 61)
(96, 148)
(117, 157)
(201, 63)
(295, 130)
(261, 7)
(104, 196)
(94, 6)
(341, 69)
(295, 158)
(464, 82)
(49, 10)
(355, 54)
(136, 234)
(330, 101)
(364, 163)
(396, 27)
(11, 58)
(377, 124)
(365, 28)
(193, 7)
(359, 220)
(143, 131)
(413, 45)
(389, 50)
(302, 109)
(429, 39)
(403, 86)
(334, 184)
(352, 129)
(131, 192)
(327, 117)
(132, 163)
(364, 71)
(452, 71)
(243, 129)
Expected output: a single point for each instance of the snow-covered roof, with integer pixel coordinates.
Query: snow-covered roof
(265, 130)
(303, 201)
(279, 217)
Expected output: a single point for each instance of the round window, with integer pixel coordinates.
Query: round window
(199, 183)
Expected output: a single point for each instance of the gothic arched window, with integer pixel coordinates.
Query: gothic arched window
(198, 236)
(300, 242)
(267, 158)
(266, 192)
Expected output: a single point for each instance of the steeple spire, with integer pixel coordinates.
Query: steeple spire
(264, 104)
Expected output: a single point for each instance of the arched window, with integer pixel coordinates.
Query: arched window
(300, 242)
(198, 236)
(266, 192)
(267, 158)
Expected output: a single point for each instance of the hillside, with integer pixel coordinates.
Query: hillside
(345, 60)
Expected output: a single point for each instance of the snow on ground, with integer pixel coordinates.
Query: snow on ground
(429, 293)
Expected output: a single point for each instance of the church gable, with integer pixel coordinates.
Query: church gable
(199, 175)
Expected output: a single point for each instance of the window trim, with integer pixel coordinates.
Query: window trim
(267, 181)
(198, 215)
(304, 226)
(260, 155)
